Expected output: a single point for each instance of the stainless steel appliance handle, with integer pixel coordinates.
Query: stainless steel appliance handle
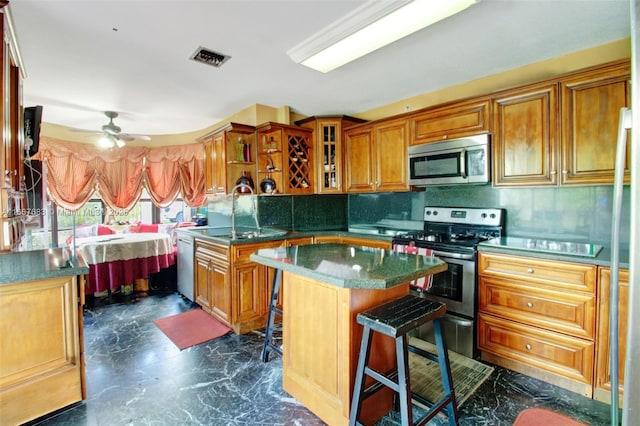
(458, 321)
(463, 163)
(621, 148)
(463, 256)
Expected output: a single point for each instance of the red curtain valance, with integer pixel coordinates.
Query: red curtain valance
(76, 170)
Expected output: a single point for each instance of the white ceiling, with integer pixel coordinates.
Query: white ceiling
(83, 57)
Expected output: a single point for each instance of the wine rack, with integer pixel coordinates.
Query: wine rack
(285, 154)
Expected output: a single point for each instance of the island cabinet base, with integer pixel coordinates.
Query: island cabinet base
(41, 366)
(322, 343)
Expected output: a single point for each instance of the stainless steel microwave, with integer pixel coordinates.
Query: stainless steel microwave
(450, 162)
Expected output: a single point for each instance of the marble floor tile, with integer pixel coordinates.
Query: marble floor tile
(137, 376)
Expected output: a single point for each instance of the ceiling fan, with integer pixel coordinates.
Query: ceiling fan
(112, 134)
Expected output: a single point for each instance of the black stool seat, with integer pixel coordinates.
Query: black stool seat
(395, 319)
(401, 315)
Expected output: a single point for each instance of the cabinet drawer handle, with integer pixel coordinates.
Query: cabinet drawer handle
(530, 270)
(528, 346)
(529, 305)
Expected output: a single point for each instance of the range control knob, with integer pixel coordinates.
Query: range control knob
(492, 215)
(483, 215)
(428, 213)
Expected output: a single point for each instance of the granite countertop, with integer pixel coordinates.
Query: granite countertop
(222, 235)
(24, 266)
(348, 266)
(593, 254)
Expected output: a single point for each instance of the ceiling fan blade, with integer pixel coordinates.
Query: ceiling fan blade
(84, 131)
(133, 136)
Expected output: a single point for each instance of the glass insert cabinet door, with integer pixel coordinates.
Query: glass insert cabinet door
(329, 169)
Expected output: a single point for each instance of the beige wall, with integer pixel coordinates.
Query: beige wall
(257, 113)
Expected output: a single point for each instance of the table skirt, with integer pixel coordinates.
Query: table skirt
(111, 275)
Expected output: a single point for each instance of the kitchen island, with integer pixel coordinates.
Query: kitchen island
(41, 355)
(324, 287)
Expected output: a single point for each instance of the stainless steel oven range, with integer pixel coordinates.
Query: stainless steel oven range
(453, 235)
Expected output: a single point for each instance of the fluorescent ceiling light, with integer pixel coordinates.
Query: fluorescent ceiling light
(370, 27)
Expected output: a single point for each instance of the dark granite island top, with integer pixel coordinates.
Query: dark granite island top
(25, 266)
(324, 287)
(350, 266)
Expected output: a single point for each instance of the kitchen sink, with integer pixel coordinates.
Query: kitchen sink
(241, 234)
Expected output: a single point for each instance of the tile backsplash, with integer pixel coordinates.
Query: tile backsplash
(580, 214)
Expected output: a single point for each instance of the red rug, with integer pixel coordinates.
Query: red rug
(540, 417)
(191, 328)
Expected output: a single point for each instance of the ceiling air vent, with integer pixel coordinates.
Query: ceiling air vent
(209, 57)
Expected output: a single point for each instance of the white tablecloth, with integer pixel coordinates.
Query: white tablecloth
(109, 248)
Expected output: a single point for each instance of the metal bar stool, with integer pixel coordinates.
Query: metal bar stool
(273, 310)
(395, 319)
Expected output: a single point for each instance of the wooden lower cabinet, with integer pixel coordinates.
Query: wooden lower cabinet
(602, 384)
(554, 357)
(212, 278)
(250, 288)
(538, 317)
(41, 352)
(230, 287)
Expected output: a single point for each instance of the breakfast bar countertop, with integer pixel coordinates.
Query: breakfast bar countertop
(25, 266)
(350, 266)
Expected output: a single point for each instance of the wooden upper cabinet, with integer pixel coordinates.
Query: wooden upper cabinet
(327, 139)
(590, 110)
(525, 128)
(376, 157)
(219, 160)
(450, 121)
(224, 160)
(359, 159)
(563, 131)
(390, 145)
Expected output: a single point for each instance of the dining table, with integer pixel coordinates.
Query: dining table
(119, 259)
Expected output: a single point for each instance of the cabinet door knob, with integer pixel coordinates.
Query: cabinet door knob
(553, 172)
(528, 346)
(564, 172)
(530, 270)
(529, 305)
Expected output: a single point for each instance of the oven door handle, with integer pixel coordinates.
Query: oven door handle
(463, 256)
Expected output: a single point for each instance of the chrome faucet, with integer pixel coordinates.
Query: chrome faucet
(233, 209)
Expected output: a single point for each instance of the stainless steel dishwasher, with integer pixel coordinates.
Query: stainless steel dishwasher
(185, 265)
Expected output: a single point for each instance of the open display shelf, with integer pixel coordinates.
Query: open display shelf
(285, 154)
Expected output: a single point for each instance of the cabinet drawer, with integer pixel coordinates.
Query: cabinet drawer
(241, 252)
(209, 250)
(568, 275)
(557, 353)
(572, 313)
